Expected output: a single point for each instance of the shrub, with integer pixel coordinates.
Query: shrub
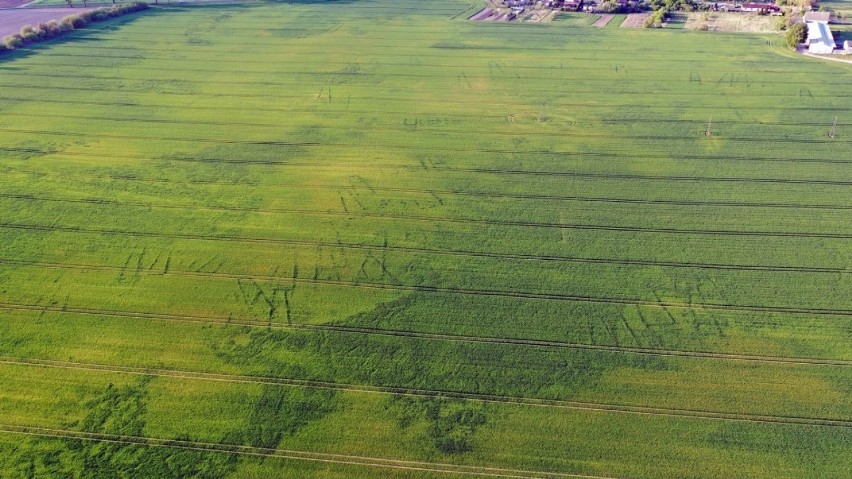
(76, 21)
(29, 37)
(66, 24)
(53, 28)
(656, 19)
(13, 41)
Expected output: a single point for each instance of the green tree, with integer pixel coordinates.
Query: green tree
(610, 7)
(796, 35)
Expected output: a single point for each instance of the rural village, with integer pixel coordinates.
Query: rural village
(635, 13)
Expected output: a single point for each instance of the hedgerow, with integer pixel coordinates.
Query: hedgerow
(45, 31)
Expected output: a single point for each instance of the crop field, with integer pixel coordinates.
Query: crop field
(843, 7)
(370, 238)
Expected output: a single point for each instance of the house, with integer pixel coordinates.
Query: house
(820, 40)
(761, 7)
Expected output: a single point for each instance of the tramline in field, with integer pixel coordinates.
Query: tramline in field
(373, 239)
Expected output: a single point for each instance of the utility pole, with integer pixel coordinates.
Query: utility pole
(709, 131)
(833, 129)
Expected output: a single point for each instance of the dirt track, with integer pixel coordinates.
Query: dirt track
(635, 20)
(11, 21)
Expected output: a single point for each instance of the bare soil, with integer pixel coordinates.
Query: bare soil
(603, 21)
(635, 20)
(731, 22)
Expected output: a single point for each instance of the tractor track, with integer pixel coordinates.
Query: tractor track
(290, 454)
(444, 252)
(432, 192)
(424, 218)
(482, 170)
(261, 74)
(431, 393)
(397, 127)
(564, 226)
(171, 106)
(433, 148)
(420, 167)
(532, 343)
(333, 78)
(523, 294)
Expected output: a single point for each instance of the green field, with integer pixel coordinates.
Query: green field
(370, 239)
(843, 7)
(575, 19)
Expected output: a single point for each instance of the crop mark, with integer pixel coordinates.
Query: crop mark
(629, 329)
(273, 296)
(655, 338)
(134, 265)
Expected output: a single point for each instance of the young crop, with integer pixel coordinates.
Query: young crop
(229, 248)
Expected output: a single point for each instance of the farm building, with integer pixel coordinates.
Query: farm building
(761, 7)
(847, 47)
(820, 39)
